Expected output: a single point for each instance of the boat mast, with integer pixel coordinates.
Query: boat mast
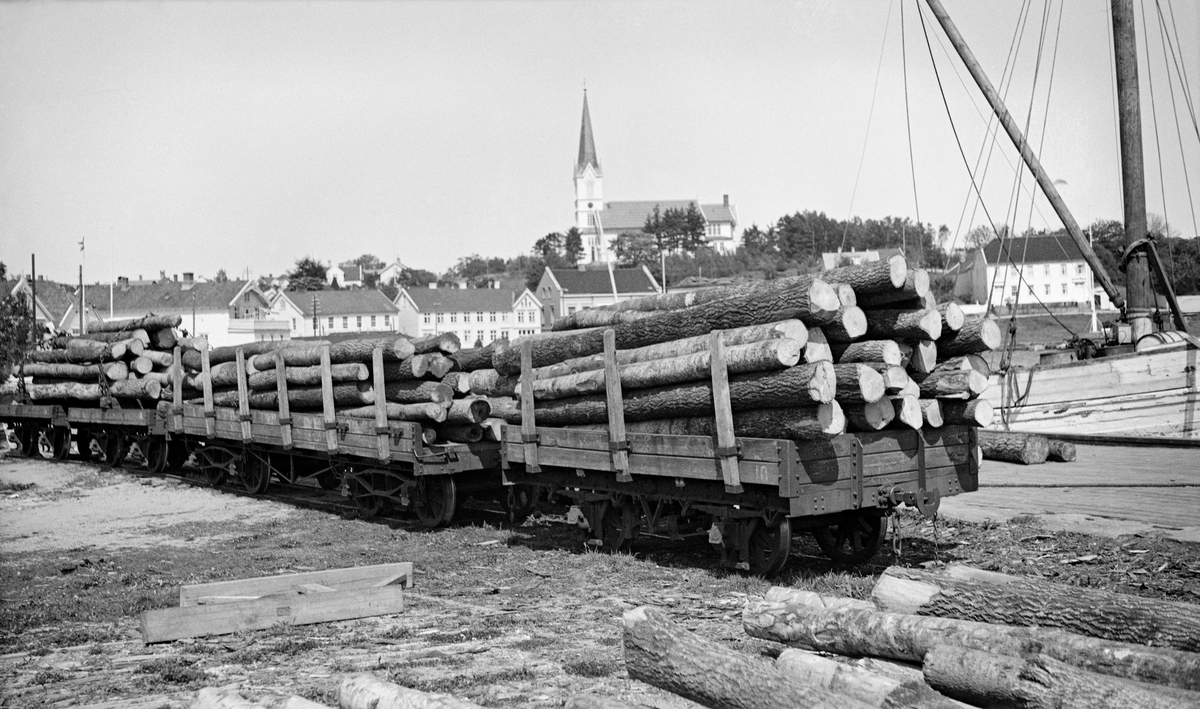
(1014, 133)
(1141, 299)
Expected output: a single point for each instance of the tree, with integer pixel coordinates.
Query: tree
(308, 274)
(633, 249)
(221, 276)
(18, 332)
(573, 246)
(368, 261)
(549, 247)
(3, 271)
(757, 242)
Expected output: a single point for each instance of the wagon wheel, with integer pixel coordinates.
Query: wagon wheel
(26, 439)
(83, 444)
(618, 526)
(437, 496)
(328, 480)
(115, 449)
(60, 442)
(155, 451)
(853, 540)
(363, 494)
(214, 464)
(177, 454)
(518, 501)
(255, 473)
(770, 544)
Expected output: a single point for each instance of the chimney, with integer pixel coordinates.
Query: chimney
(162, 276)
(188, 277)
(726, 200)
(123, 282)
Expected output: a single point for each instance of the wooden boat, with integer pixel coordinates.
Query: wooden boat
(1147, 388)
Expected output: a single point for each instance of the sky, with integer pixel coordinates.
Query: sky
(191, 137)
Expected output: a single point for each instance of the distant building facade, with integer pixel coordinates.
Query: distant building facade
(328, 312)
(840, 258)
(1026, 271)
(600, 222)
(477, 316)
(565, 291)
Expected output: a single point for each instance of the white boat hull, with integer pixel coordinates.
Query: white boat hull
(1144, 393)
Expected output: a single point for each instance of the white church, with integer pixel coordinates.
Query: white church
(601, 222)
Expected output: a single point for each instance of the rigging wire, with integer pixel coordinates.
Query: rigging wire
(870, 114)
(1181, 68)
(967, 163)
(912, 167)
(1162, 185)
(1165, 38)
(1112, 78)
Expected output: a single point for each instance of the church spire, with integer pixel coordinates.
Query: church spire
(587, 144)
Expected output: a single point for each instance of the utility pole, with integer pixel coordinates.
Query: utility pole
(1138, 291)
(33, 287)
(82, 320)
(314, 309)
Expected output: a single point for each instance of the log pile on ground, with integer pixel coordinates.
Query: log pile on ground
(982, 638)
(857, 348)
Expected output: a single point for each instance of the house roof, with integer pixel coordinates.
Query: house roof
(342, 302)
(596, 281)
(457, 300)
(719, 213)
(167, 297)
(56, 298)
(1033, 249)
(351, 272)
(587, 143)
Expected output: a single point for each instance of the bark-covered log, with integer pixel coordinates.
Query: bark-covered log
(160, 359)
(147, 323)
(931, 413)
(754, 357)
(914, 287)
(902, 325)
(850, 324)
(818, 348)
(705, 296)
(505, 407)
(76, 391)
(803, 385)
(442, 342)
(418, 392)
(807, 423)
(974, 412)
(951, 384)
(886, 351)
(140, 389)
(896, 636)
(808, 299)
(395, 349)
(785, 329)
(952, 317)
(192, 346)
(598, 317)
(662, 653)
(1026, 600)
(1063, 452)
(976, 336)
(224, 374)
(365, 691)
(415, 367)
(908, 412)
(471, 358)
(860, 684)
(428, 412)
(139, 334)
(1025, 448)
(163, 338)
(846, 295)
(66, 371)
(459, 382)
(358, 394)
(460, 432)
(895, 379)
(304, 376)
(468, 411)
(858, 383)
(870, 279)
(439, 365)
(869, 417)
(489, 382)
(1040, 682)
(88, 351)
(221, 698)
(920, 357)
(141, 365)
(971, 362)
(162, 378)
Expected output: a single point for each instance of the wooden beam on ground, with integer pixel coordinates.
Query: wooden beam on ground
(354, 577)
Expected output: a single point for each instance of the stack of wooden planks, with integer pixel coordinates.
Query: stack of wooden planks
(128, 360)
(959, 637)
(859, 348)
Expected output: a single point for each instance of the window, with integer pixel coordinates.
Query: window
(493, 334)
(1014, 290)
(293, 323)
(427, 318)
(387, 320)
(358, 320)
(1046, 270)
(1064, 269)
(520, 316)
(492, 318)
(439, 318)
(330, 323)
(345, 322)
(453, 317)
(1064, 288)
(1079, 270)
(504, 316)
(478, 317)
(372, 321)
(1047, 289)
(571, 310)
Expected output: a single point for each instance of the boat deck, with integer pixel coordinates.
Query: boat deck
(1108, 490)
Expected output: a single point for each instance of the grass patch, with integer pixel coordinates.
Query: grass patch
(16, 487)
(591, 666)
(173, 670)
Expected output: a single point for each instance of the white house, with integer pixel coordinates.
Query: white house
(564, 291)
(336, 311)
(839, 258)
(1046, 269)
(478, 316)
(391, 273)
(347, 275)
(600, 222)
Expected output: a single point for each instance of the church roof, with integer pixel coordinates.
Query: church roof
(587, 144)
(621, 217)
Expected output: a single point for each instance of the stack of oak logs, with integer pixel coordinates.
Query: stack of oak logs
(858, 348)
(959, 637)
(423, 379)
(128, 360)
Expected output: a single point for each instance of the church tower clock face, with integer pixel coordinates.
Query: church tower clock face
(589, 205)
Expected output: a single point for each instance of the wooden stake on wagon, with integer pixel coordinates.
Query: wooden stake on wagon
(382, 429)
(177, 392)
(618, 441)
(210, 414)
(327, 403)
(281, 393)
(243, 396)
(727, 450)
